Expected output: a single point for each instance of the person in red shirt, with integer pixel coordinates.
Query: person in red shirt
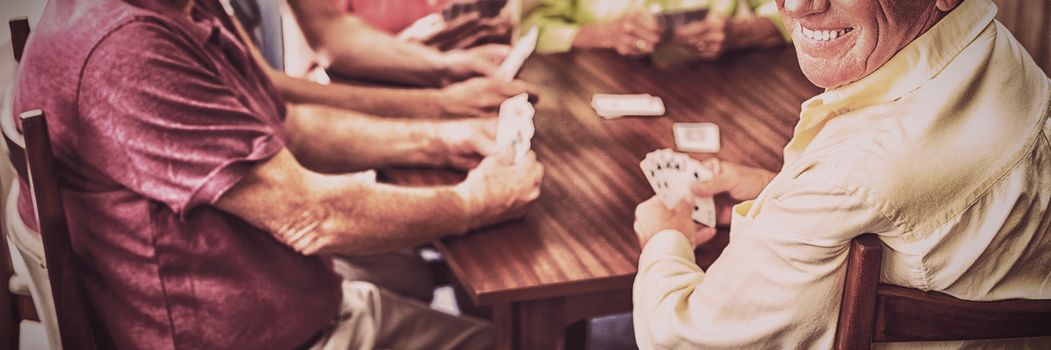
(202, 208)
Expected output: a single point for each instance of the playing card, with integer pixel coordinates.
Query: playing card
(671, 174)
(515, 127)
(704, 211)
(696, 137)
(611, 106)
(703, 207)
(672, 20)
(649, 169)
(518, 55)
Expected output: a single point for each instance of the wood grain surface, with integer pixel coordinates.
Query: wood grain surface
(578, 237)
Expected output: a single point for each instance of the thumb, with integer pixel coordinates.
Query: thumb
(703, 235)
(716, 185)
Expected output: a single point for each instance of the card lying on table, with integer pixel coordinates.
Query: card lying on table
(671, 174)
(612, 106)
(696, 137)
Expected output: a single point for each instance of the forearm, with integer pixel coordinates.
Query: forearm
(358, 51)
(380, 101)
(354, 49)
(666, 278)
(379, 218)
(336, 141)
(315, 213)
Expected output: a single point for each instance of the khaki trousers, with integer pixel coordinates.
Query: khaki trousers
(371, 318)
(403, 272)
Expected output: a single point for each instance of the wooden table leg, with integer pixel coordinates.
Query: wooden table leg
(557, 323)
(504, 321)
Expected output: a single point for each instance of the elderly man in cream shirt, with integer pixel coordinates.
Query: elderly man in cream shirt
(933, 134)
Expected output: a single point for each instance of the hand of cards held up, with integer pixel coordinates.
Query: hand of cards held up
(515, 125)
(518, 55)
(671, 174)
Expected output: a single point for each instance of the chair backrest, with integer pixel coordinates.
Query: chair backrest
(19, 34)
(1030, 22)
(71, 311)
(13, 308)
(871, 312)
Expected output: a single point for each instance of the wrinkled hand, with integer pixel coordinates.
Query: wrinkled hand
(732, 184)
(481, 96)
(497, 190)
(465, 142)
(634, 34)
(652, 217)
(708, 38)
(482, 60)
(470, 30)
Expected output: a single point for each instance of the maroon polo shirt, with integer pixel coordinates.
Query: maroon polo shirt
(153, 116)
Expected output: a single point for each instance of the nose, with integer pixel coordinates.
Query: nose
(802, 8)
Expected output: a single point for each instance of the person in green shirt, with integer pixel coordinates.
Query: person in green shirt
(630, 27)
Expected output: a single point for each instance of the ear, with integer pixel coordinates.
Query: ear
(946, 5)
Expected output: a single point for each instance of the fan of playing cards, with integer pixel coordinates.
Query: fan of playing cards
(670, 174)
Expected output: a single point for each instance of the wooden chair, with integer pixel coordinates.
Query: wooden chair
(1030, 22)
(71, 311)
(874, 313)
(14, 307)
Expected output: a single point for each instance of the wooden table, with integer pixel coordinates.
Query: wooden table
(574, 255)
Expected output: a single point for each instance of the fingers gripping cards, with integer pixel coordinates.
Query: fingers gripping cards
(671, 174)
(515, 127)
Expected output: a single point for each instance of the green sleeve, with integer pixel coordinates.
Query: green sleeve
(557, 23)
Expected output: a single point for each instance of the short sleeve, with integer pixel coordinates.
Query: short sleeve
(156, 116)
(557, 25)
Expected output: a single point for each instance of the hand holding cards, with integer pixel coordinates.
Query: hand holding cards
(671, 174)
(515, 125)
(611, 106)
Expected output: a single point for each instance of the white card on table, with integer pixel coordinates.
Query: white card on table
(518, 55)
(614, 106)
(696, 137)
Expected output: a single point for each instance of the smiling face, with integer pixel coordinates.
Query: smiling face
(842, 41)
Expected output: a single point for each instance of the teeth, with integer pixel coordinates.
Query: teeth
(823, 35)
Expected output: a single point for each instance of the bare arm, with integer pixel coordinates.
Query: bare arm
(337, 141)
(353, 48)
(375, 100)
(315, 213)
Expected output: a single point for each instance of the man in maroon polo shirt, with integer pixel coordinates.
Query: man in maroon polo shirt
(193, 214)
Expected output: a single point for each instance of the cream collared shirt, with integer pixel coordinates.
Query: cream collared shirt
(943, 152)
